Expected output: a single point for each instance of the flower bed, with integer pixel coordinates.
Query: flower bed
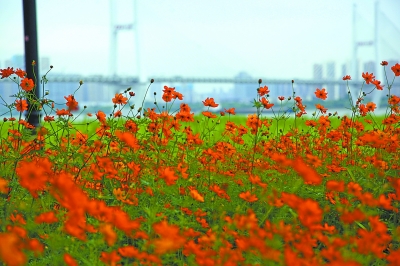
(164, 187)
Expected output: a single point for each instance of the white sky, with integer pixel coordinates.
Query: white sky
(219, 38)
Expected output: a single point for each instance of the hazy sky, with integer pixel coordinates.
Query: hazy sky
(266, 38)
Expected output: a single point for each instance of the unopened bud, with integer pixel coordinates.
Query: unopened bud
(152, 81)
(259, 81)
(80, 82)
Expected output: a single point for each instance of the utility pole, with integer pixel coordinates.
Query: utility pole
(31, 53)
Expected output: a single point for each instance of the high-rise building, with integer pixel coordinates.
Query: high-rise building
(244, 91)
(369, 67)
(330, 71)
(318, 72)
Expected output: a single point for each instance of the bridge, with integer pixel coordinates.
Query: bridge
(123, 80)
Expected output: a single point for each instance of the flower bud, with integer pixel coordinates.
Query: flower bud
(259, 81)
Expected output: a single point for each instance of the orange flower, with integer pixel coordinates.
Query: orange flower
(5, 73)
(118, 113)
(209, 114)
(196, 195)
(47, 217)
(129, 251)
(128, 138)
(71, 103)
(371, 106)
(21, 105)
(396, 70)
(321, 108)
(35, 246)
(347, 77)
(335, 185)
(210, 102)
(263, 90)
(306, 172)
(131, 126)
(119, 99)
(266, 103)
(10, 249)
(49, 118)
(101, 116)
(32, 176)
(109, 234)
(69, 260)
(310, 214)
(110, 258)
(27, 84)
(62, 112)
(20, 73)
(311, 123)
(170, 238)
(321, 94)
(247, 196)
(368, 77)
(3, 186)
(230, 111)
(378, 85)
(168, 175)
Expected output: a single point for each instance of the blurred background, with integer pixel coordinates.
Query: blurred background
(205, 48)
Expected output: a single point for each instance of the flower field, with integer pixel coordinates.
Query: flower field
(165, 187)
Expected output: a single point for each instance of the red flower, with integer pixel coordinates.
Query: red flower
(21, 105)
(384, 63)
(101, 116)
(119, 99)
(168, 175)
(209, 114)
(368, 77)
(262, 91)
(377, 83)
(347, 77)
(71, 103)
(230, 111)
(62, 112)
(48, 118)
(266, 104)
(27, 84)
(20, 73)
(321, 94)
(371, 106)
(281, 98)
(396, 69)
(5, 73)
(210, 102)
(247, 196)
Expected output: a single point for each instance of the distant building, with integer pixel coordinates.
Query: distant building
(317, 72)
(343, 88)
(244, 92)
(369, 67)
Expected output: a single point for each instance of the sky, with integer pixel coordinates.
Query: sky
(265, 38)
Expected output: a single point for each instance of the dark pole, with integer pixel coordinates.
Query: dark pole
(31, 53)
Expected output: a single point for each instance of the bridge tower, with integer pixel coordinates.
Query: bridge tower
(115, 28)
(378, 42)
